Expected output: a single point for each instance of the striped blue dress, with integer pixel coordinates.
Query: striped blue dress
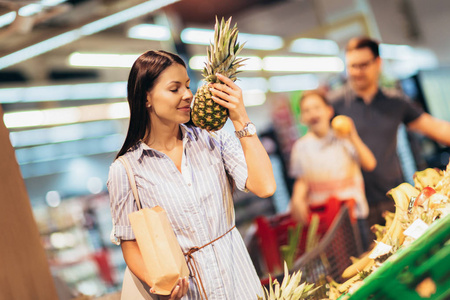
(199, 204)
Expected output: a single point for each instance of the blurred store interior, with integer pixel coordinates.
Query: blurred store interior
(63, 71)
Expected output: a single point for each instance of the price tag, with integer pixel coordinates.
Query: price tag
(416, 229)
(379, 250)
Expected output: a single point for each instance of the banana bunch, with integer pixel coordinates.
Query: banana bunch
(427, 177)
(433, 200)
(355, 274)
(389, 217)
(380, 230)
(443, 186)
(290, 288)
(391, 234)
(427, 199)
(402, 196)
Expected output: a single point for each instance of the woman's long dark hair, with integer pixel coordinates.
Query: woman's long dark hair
(143, 75)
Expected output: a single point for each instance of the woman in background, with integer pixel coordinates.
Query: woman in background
(325, 163)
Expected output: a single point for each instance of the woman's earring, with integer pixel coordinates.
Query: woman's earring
(149, 105)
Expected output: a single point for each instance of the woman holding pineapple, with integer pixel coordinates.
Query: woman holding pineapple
(185, 170)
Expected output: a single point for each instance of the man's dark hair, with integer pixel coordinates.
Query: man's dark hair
(363, 42)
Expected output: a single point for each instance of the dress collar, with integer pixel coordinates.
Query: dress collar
(187, 134)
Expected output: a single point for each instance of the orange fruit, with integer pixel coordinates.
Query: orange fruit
(341, 125)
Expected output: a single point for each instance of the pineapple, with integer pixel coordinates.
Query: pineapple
(222, 59)
(290, 288)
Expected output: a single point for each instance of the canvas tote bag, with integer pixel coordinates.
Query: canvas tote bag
(162, 255)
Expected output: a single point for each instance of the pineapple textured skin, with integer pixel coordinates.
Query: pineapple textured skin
(206, 113)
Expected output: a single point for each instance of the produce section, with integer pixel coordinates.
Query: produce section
(411, 250)
(408, 259)
(417, 271)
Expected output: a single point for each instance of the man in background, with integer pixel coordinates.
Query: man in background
(377, 114)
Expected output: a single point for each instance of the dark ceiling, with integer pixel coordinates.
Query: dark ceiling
(25, 31)
(206, 10)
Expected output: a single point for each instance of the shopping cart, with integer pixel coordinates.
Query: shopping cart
(335, 219)
(332, 255)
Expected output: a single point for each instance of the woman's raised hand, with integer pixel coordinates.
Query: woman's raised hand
(229, 95)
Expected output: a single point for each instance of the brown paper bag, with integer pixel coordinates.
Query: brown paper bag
(162, 255)
(163, 259)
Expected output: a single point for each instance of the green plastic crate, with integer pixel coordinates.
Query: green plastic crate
(398, 277)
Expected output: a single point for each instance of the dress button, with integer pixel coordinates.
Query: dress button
(189, 184)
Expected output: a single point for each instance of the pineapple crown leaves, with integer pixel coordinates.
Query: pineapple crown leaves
(222, 52)
(290, 288)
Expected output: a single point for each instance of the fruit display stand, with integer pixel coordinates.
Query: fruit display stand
(420, 271)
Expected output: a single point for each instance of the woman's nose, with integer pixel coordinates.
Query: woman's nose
(188, 94)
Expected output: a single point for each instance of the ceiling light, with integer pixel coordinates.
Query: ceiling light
(23, 119)
(399, 52)
(91, 28)
(7, 19)
(118, 110)
(421, 59)
(303, 64)
(102, 60)
(197, 36)
(61, 116)
(254, 97)
(36, 118)
(53, 198)
(51, 2)
(289, 83)
(252, 41)
(426, 59)
(29, 10)
(64, 133)
(84, 91)
(260, 41)
(94, 185)
(39, 48)
(66, 158)
(197, 62)
(149, 32)
(124, 15)
(252, 63)
(315, 46)
(253, 83)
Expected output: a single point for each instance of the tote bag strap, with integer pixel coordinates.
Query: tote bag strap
(130, 174)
